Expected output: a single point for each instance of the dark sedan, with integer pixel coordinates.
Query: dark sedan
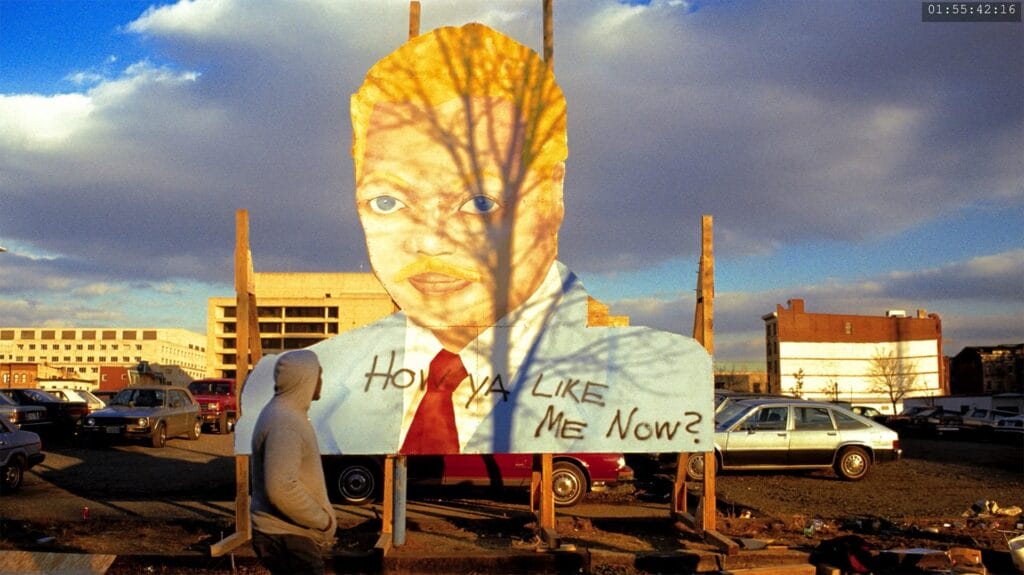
(66, 415)
(358, 480)
(28, 417)
(20, 450)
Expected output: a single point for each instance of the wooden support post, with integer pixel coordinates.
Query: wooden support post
(247, 352)
(542, 499)
(549, 33)
(414, 19)
(706, 301)
(703, 332)
(387, 521)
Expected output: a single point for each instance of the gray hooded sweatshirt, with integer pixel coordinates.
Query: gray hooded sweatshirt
(289, 495)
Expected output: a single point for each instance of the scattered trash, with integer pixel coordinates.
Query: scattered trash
(746, 514)
(1017, 551)
(985, 507)
(964, 556)
(47, 539)
(85, 512)
(850, 553)
(814, 527)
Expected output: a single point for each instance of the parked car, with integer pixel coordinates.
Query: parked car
(870, 413)
(20, 450)
(92, 402)
(779, 434)
(66, 415)
(106, 394)
(725, 397)
(925, 419)
(1010, 429)
(358, 480)
(217, 402)
(982, 420)
(150, 412)
(27, 417)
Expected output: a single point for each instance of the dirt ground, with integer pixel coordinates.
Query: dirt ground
(929, 500)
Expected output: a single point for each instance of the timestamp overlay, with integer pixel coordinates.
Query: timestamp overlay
(970, 11)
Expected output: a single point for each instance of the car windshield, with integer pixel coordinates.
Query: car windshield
(37, 395)
(209, 388)
(139, 397)
(730, 414)
(4, 400)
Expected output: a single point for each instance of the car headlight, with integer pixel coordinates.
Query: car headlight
(91, 422)
(142, 422)
(13, 416)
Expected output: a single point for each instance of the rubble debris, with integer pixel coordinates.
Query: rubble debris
(850, 553)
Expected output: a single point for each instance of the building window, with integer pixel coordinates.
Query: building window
(848, 328)
(67, 334)
(28, 334)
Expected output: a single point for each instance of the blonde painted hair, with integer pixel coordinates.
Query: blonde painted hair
(461, 63)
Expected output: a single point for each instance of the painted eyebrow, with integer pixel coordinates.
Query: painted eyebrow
(401, 183)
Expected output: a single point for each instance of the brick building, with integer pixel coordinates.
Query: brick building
(833, 356)
(988, 369)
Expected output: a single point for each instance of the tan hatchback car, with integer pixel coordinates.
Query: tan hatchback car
(150, 412)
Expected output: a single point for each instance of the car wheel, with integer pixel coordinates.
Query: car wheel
(222, 424)
(159, 438)
(853, 463)
(196, 431)
(356, 482)
(695, 467)
(12, 475)
(568, 483)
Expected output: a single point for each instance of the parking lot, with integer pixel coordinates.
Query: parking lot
(183, 494)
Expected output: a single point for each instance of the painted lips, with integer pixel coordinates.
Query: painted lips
(437, 284)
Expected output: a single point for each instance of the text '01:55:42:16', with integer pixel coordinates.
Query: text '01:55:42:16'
(970, 11)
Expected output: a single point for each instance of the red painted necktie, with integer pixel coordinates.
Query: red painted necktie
(433, 428)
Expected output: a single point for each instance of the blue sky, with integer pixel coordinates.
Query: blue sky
(850, 154)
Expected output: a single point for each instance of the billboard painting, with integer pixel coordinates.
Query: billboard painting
(459, 149)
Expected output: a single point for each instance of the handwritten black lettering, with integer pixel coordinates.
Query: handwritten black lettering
(403, 378)
(562, 426)
(497, 386)
(536, 384)
(591, 395)
(641, 430)
(697, 418)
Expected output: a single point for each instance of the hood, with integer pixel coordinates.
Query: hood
(126, 411)
(295, 377)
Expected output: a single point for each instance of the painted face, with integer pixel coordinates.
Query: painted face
(458, 231)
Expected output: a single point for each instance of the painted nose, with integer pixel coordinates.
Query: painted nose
(433, 236)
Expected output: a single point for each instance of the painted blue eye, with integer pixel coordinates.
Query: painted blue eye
(385, 204)
(479, 205)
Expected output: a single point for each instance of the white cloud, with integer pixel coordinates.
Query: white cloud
(33, 122)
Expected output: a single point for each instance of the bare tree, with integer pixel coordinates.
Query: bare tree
(798, 387)
(831, 389)
(892, 375)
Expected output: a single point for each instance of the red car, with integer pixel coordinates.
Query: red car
(358, 480)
